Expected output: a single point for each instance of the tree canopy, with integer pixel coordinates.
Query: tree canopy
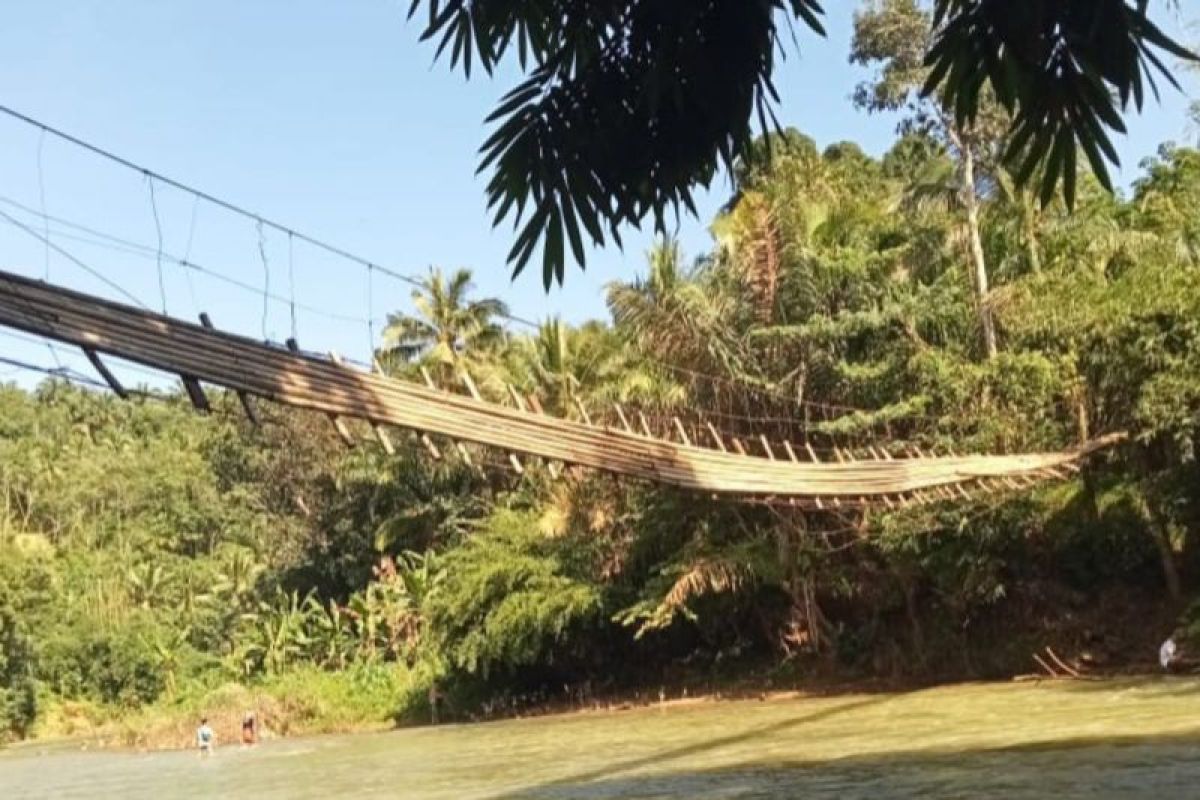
(626, 106)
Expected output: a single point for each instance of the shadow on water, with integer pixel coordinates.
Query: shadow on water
(1079, 767)
(698, 748)
(1162, 686)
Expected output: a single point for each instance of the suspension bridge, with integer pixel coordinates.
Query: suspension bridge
(198, 353)
(703, 460)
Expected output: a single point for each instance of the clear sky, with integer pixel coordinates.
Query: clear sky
(328, 116)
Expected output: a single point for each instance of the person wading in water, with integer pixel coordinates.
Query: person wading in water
(249, 729)
(206, 739)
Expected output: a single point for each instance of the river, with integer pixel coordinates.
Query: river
(1111, 739)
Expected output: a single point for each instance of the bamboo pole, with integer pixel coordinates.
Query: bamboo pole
(102, 368)
(621, 416)
(342, 431)
(716, 437)
(380, 434)
(196, 394)
(474, 390)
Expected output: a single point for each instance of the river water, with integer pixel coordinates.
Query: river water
(1113, 739)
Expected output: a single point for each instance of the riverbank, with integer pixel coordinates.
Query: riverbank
(297, 703)
(1118, 738)
(312, 702)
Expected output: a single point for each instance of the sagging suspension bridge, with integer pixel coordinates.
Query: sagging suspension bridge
(695, 457)
(200, 354)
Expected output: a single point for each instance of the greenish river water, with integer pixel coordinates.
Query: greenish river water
(1117, 739)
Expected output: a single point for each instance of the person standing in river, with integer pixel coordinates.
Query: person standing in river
(206, 739)
(249, 729)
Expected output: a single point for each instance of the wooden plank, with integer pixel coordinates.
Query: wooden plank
(812, 454)
(787, 446)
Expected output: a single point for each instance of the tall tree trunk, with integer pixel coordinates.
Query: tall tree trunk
(980, 275)
(1160, 532)
(1029, 222)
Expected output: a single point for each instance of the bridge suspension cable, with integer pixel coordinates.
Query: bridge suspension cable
(371, 266)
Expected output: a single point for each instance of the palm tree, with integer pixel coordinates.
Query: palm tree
(446, 329)
(568, 366)
(672, 315)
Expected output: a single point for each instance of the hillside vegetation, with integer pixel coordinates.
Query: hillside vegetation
(156, 564)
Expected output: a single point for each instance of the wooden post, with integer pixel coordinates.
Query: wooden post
(380, 434)
(428, 379)
(811, 453)
(516, 397)
(471, 387)
(109, 378)
(621, 416)
(738, 446)
(196, 394)
(537, 408)
(385, 441)
(682, 433)
(583, 412)
(645, 424)
(474, 390)
(247, 406)
(787, 448)
(465, 455)
(342, 431)
(716, 437)
(766, 446)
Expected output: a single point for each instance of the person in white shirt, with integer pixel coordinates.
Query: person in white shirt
(206, 739)
(1167, 652)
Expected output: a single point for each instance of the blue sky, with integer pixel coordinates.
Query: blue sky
(331, 118)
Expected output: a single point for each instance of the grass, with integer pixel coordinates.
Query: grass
(296, 703)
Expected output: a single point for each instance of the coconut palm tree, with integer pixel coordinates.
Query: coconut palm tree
(673, 316)
(567, 366)
(446, 329)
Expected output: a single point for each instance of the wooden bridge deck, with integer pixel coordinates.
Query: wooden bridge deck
(295, 379)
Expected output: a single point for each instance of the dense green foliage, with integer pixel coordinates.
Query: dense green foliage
(149, 556)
